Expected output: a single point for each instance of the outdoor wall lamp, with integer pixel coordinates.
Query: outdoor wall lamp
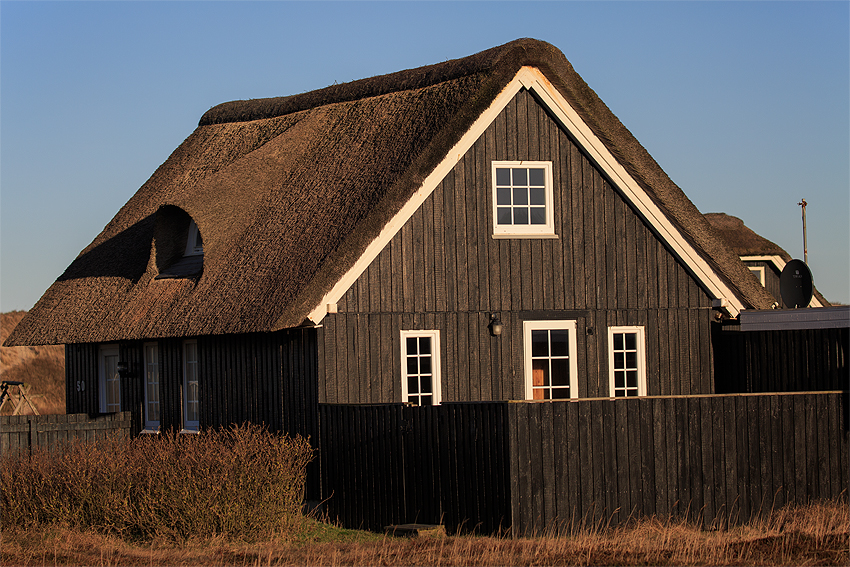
(495, 325)
(123, 368)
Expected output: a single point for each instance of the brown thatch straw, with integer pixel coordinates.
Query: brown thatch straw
(288, 192)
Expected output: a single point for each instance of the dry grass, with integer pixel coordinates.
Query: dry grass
(42, 367)
(807, 535)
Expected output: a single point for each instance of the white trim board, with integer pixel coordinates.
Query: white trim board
(532, 79)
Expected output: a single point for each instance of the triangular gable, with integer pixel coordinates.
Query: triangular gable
(532, 79)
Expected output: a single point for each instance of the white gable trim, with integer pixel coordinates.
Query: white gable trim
(412, 205)
(780, 265)
(533, 79)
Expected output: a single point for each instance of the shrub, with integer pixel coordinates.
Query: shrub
(240, 483)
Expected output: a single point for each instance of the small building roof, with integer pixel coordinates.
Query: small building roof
(288, 192)
(747, 244)
(742, 239)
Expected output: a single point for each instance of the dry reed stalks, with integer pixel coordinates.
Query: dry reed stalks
(814, 534)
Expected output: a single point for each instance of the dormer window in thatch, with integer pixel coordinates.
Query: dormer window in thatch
(194, 242)
(178, 244)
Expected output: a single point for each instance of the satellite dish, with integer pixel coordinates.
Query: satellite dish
(795, 284)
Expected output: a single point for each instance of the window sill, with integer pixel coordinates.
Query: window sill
(526, 236)
(188, 432)
(149, 431)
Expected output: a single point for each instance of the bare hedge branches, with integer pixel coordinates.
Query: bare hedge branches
(240, 483)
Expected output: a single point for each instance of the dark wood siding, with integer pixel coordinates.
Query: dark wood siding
(445, 271)
(268, 379)
(782, 361)
(81, 379)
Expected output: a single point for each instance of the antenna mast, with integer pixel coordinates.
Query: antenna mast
(803, 203)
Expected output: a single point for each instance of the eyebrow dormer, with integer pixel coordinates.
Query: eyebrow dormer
(178, 245)
(194, 242)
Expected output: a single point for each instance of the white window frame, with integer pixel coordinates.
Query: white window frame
(151, 367)
(640, 358)
(104, 380)
(434, 335)
(190, 426)
(758, 271)
(546, 230)
(552, 325)
(194, 242)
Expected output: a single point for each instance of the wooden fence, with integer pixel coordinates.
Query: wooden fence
(712, 459)
(530, 467)
(25, 432)
(394, 464)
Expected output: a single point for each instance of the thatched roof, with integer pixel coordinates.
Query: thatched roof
(745, 242)
(741, 239)
(288, 192)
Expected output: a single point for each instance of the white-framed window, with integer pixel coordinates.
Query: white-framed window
(194, 242)
(151, 365)
(191, 401)
(626, 362)
(420, 367)
(549, 349)
(758, 272)
(109, 379)
(522, 199)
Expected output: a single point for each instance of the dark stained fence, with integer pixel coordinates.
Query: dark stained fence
(534, 467)
(712, 459)
(25, 432)
(781, 361)
(394, 464)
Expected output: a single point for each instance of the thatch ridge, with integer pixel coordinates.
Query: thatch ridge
(410, 79)
(742, 239)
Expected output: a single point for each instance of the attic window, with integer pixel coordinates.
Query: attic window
(758, 272)
(522, 199)
(194, 242)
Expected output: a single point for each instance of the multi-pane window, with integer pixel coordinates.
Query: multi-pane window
(110, 380)
(522, 197)
(190, 385)
(550, 362)
(626, 362)
(151, 386)
(420, 367)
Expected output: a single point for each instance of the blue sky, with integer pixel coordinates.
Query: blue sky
(745, 105)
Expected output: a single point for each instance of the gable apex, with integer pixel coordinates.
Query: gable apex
(535, 81)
